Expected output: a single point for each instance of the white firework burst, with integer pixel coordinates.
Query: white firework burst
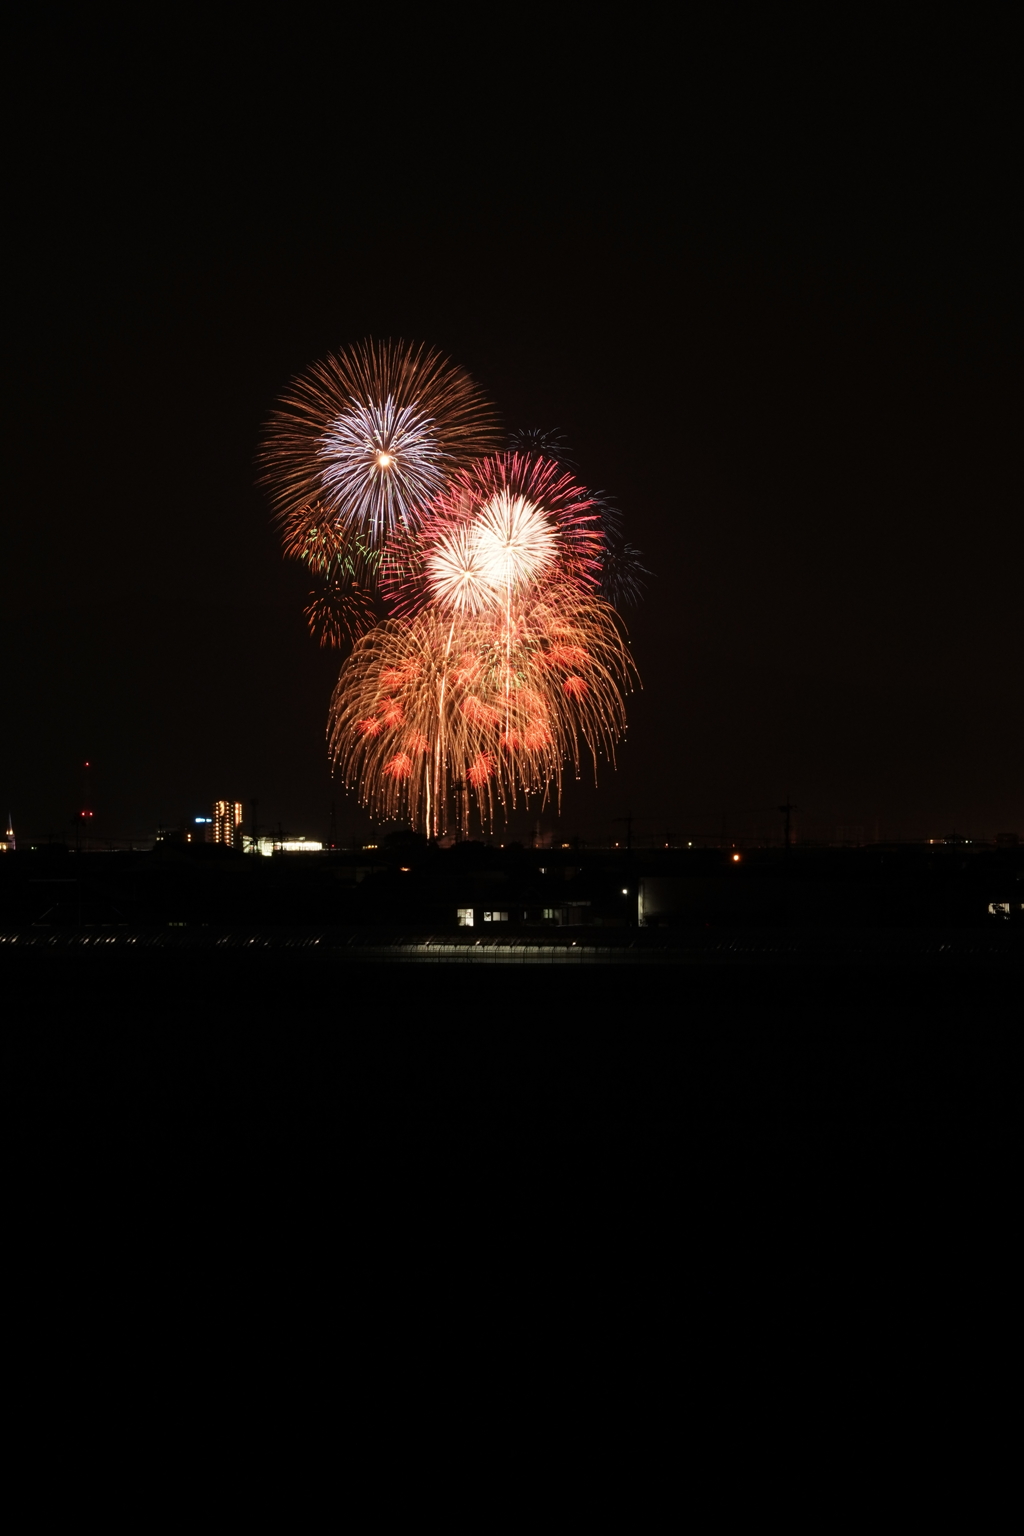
(477, 565)
(380, 462)
(516, 540)
(455, 572)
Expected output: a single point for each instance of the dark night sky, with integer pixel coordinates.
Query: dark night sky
(768, 287)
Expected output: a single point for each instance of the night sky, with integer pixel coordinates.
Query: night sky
(768, 286)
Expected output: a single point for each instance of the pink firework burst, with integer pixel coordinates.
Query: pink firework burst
(499, 527)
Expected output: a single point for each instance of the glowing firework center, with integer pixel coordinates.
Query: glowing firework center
(509, 544)
(380, 460)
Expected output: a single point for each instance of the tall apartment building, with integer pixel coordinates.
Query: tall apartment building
(226, 826)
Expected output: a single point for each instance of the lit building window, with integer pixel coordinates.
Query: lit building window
(226, 823)
(465, 917)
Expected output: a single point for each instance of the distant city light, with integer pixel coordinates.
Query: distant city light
(735, 858)
(226, 822)
(268, 846)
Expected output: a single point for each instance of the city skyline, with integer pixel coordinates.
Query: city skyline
(791, 357)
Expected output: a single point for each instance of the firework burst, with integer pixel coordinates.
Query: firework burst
(440, 710)
(542, 444)
(499, 527)
(340, 611)
(363, 439)
(623, 573)
(503, 663)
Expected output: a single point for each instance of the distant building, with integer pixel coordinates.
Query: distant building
(7, 842)
(226, 823)
(191, 833)
(268, 846)
(575, 914)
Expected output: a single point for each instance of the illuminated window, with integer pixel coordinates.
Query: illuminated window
(226, 823)
(466, 917)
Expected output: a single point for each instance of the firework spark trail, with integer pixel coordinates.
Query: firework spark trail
(365, 437)
(498, 703)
